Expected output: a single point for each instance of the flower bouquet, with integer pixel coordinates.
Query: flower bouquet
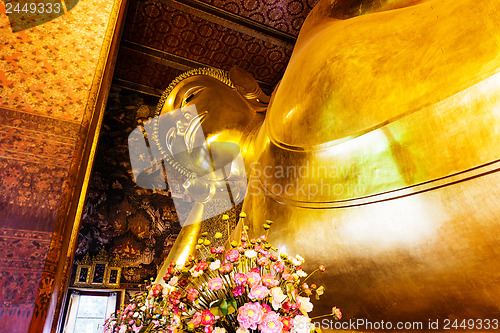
(249, 287)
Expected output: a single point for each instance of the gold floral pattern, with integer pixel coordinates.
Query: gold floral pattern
(48, 75)
(48, 69)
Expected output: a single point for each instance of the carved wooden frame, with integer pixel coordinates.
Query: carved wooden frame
(107, 276)
(78, 272)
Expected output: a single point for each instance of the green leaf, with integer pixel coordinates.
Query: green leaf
(215, 308)
(290, 289)
(231, 306)
(223, 307)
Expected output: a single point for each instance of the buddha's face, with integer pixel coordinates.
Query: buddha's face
(201, 124)
(223, 113)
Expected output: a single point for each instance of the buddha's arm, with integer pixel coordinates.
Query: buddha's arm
(186, 240)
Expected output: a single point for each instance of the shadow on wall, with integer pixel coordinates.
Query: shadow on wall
(24, 14)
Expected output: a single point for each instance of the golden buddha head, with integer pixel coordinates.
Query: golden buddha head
(222, 109)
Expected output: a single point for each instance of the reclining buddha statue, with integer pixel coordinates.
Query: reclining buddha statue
(377, 155)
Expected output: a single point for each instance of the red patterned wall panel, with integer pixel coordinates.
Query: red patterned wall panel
(283, 15)
(21, 264)
(165, 28)
(139, 69)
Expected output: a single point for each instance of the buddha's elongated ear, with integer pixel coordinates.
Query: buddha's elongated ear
(249, 89)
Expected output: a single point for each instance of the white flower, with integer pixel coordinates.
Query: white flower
(195, 273)
(299, 258)
(166, 290)
(176, 321)
(277, 297)
(301, 273)
(123, 329)
(301, 324)
(213, 266)
(135, 315)
(173, 281)
(143, 308)
(305, 304)
(250, 254)
(219, 330)
(241, 330)
(296, 262)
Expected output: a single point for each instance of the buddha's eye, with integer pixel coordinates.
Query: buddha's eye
(187, 99)
(191, 93)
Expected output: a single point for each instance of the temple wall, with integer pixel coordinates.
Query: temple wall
(54, 78)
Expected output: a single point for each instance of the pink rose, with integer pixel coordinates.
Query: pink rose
(226, 268)
(232, 255)
(201, 266)
(215, 283)
(337, 314)
(265, 308)
(271, 323)
(192, 294)
(287, 305)
(238, 291)
(156, 290)
(253, 278)
(136, 329)
(287, 323)
(207, 318)
(250, 315)
(269, 280)
(278, 266)
(240, 279)
(287, 276)
(263, 261)
(258, 292)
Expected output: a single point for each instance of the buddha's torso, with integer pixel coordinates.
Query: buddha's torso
(367, 101)
(379, 157)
